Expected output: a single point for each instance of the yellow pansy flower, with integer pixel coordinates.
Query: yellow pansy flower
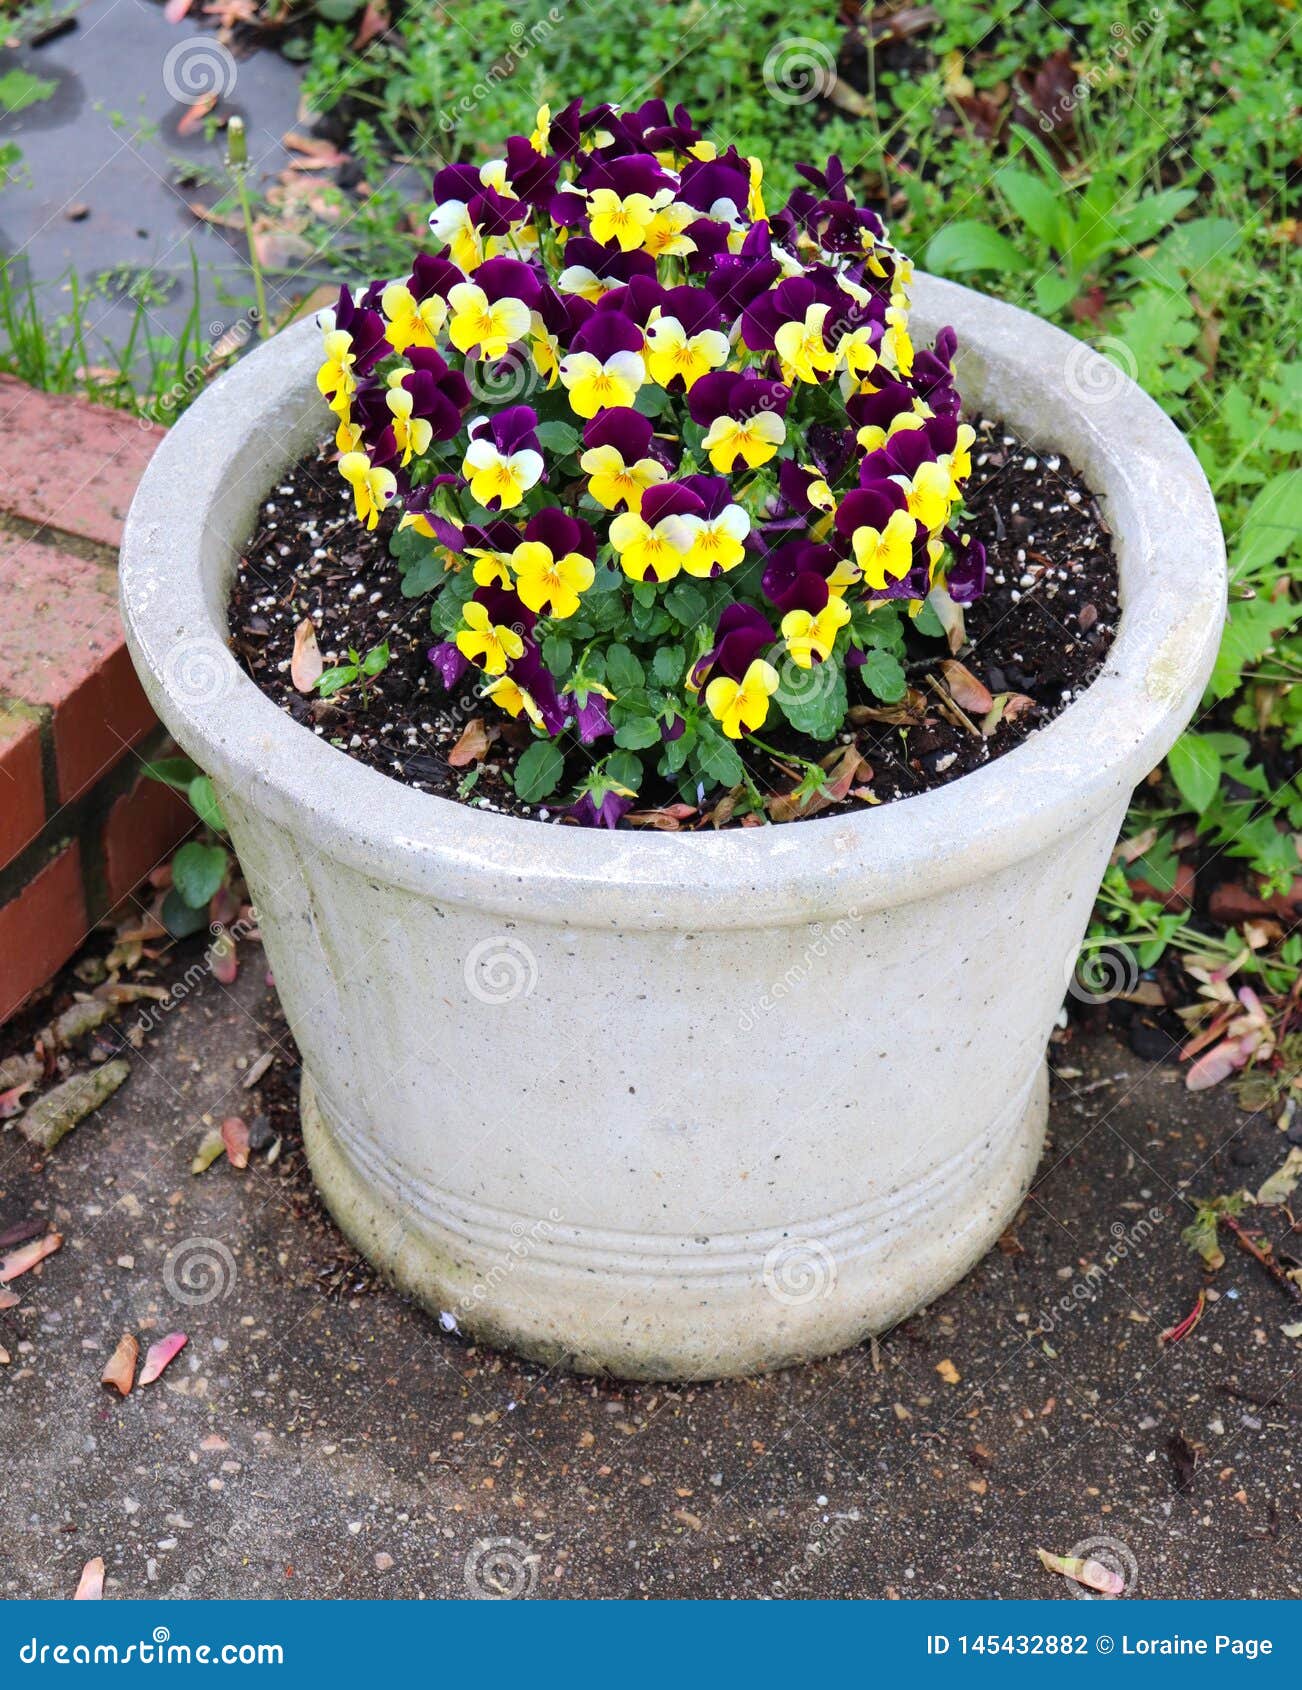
(512, 698)
(626, 220)
(335, 379)
(810, 636)
(800, 346)
(754, 440)
(885, 554)
(671, 351)
(665, 235)
(929, 497)
(412, 434)
(505, 478)
(613, 482)
(410, 321)
(491, 646)
(716, 542)
(595, 386)
(743, 704)
(490, 568)
(488, 328)
(959, 461)
(372, 488)
(543, 581)
(450, 223)
(651, 554)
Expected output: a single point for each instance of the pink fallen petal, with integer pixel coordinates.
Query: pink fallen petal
(90, 1587)
(20, 1261)
(235, 1136)
(159, 1355)
(306, 662)
(11, 1101)
(222, 959)
(9, 1299)
(1214, 1065)
(120, 1373)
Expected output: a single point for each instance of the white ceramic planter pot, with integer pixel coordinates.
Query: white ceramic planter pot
(678, 1106)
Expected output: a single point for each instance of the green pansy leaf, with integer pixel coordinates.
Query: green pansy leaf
(883, 675)
(203, 800)
(539, 771)
(198, 872)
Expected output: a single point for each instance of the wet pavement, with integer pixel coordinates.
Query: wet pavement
(107, 172)
(318, 1436)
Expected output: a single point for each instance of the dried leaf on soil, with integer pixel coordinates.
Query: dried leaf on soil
(120, 1373)
(1279, 1187)
(472, 745)
(90, 1586)
(1089, 1573)
(159, 1354)
(306, 663)
(211, 1146)
(59, 1111)
(23, 1260)
(964, 688)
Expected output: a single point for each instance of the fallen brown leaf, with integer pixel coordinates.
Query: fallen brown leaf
(191, 119)
(965, 689)
(120, 1373)
(22, 1261)
(472, 745)
(90, 1586)
(306, 664)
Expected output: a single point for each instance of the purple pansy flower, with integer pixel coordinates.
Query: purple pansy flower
(740, 634)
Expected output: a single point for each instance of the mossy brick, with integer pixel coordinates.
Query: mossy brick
(63, 651)
(69, 464)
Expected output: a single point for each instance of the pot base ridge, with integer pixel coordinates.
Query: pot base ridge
(675, 1308)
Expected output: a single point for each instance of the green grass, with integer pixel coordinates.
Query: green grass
(150, 374)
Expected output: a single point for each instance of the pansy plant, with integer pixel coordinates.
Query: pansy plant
(668, 464)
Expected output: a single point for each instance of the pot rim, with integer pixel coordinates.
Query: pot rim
(189, 519)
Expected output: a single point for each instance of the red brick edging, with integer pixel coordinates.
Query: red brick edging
(80, 826)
